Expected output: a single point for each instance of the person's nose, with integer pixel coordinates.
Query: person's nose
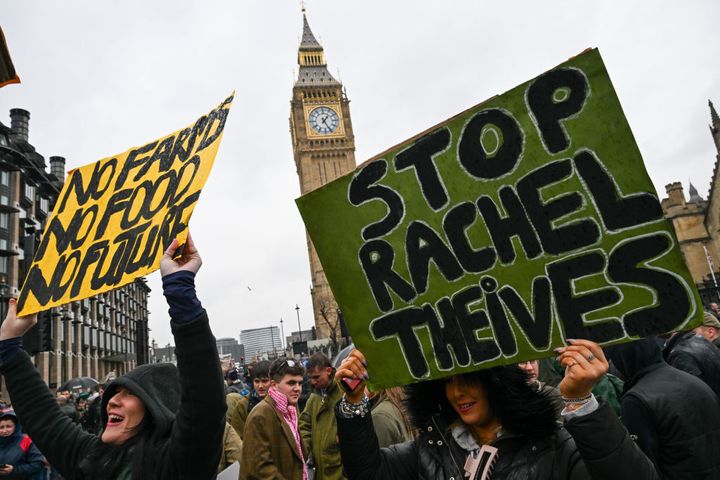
(456, 386)
(114, 400)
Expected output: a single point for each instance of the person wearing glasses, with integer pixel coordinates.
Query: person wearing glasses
(273, 447)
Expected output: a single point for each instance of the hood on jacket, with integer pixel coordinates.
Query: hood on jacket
(158, 387)
(520, 408)
(9, 414)
(633, 358)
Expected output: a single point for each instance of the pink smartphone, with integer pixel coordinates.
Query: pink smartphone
(350, 384)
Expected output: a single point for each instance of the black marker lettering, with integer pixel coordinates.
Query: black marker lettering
(446, 335)
(571, 308)
(536, 323)
(672, 306)
(362, 189)
(376, 258)
(423, 245)
(472, 321)
(400, 324)
(566, 238)
(456, 222)
(503, 229)
(503, 160)
(553, 98)
(420, 156)
(617, 212)
(498, 318)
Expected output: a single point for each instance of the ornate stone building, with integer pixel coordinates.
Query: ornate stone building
(324, 149)
(697, 224)
(86, 338)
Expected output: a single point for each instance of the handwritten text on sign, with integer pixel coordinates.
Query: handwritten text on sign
(492, 237)
(115, 217)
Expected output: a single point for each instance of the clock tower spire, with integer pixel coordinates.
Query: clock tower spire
(324, 149)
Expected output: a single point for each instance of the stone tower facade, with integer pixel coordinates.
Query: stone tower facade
(324, 149)
(697, 224)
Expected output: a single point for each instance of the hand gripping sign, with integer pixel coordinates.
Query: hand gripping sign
(492, 237)
(114, 218)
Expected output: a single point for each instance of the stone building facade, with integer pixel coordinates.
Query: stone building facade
(324, 149)
(697, 224)
(92, 337)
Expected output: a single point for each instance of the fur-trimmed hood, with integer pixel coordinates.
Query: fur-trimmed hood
(520, 408)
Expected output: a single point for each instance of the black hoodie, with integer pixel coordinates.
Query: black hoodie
(188, 412)
(674, 416)
(158, 386)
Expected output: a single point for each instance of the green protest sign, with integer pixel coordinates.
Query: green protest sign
(492, 237)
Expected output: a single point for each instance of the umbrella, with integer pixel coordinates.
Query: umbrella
(79, 382)
(342, 355)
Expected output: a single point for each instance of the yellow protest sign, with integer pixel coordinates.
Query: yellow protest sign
(115, 217)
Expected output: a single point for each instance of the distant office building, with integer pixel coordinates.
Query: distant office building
(261, 340)
(163, 355)
(295, 336)
(90, 337)
(230, 346)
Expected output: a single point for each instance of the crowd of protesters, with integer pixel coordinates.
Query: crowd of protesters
(648, 409)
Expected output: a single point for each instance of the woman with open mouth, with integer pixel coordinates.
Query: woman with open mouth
(159, 421)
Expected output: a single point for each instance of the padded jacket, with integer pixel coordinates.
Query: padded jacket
(190, 424)
(594, 446)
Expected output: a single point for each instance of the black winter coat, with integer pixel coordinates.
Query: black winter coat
(696, 356)
(594, 446)
(575, 453)
(674, 416)
(189, 425)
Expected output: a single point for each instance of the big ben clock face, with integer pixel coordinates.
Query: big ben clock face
(324, 120)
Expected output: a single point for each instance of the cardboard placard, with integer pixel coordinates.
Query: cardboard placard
(495, 235)
(114, 218)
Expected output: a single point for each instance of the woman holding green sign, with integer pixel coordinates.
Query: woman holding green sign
(492, 424)
(159, 421)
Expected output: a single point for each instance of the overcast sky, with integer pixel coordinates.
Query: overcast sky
(100, 76)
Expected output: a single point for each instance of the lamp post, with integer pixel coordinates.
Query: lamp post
(297, 310)
(282, 332)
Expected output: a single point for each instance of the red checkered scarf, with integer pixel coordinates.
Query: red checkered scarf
(289, 413)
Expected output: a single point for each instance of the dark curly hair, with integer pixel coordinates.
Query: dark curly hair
(518, 406)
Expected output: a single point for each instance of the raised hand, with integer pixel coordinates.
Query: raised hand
(189, 260)
(585, 364)
(353, 367)
(13, 326)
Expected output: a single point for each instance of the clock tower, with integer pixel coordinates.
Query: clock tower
(324, 149)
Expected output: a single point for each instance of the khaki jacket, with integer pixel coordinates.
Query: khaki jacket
(232, 448)
(269, 450)
(319, 431)
(237, 411)
(389, 425)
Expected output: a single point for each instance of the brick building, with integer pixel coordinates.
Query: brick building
(697, 224)
(85, 338)
(324, 149)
